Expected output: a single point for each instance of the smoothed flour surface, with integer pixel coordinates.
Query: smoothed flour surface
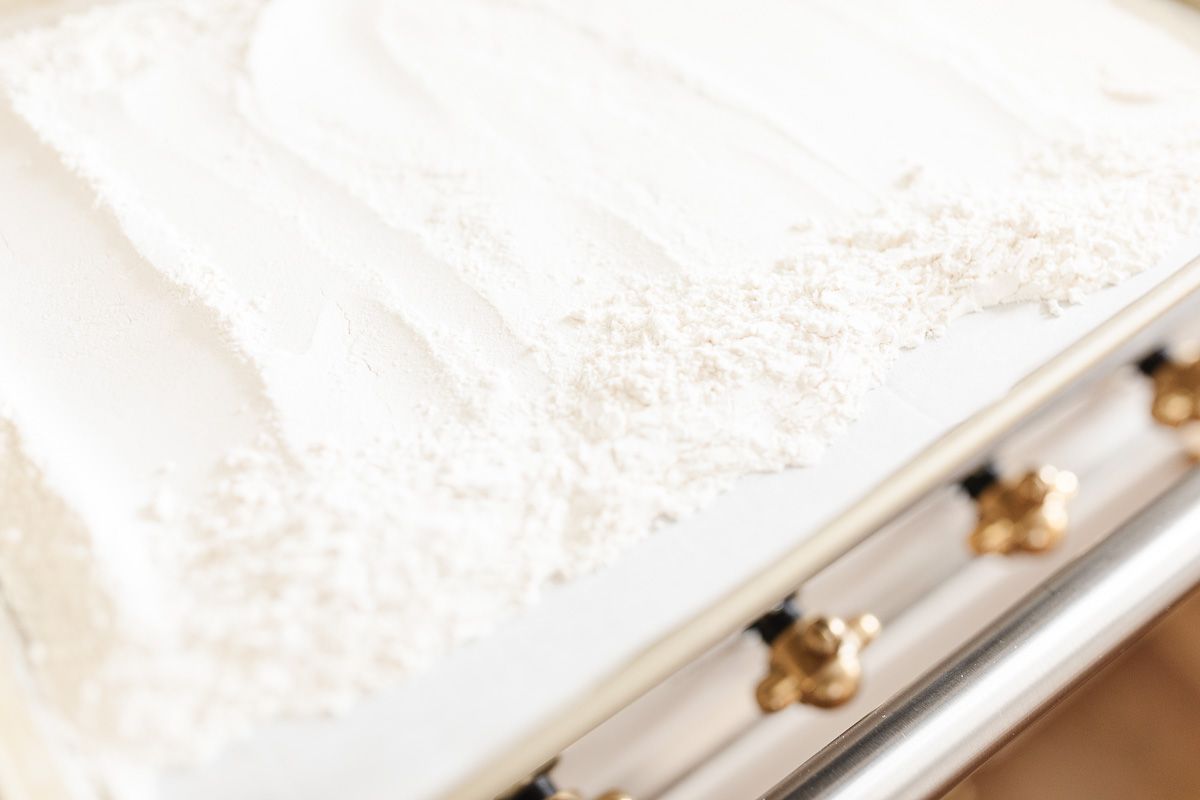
(382, 316)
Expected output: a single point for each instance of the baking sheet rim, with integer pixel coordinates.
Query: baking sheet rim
(934, 466)
(938, 464)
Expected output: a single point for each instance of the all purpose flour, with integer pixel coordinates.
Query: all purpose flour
(476, 294)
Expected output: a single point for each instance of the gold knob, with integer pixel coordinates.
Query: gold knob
(1176, 388)
(1028, 514)
(816, 662)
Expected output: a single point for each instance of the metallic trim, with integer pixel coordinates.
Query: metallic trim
(920, 743)
(1124, 337)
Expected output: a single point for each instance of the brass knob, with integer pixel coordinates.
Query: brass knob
(1176, 388)
(815, 661)
(1028, 514)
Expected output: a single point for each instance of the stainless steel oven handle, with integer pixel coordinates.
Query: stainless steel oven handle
(919, 743)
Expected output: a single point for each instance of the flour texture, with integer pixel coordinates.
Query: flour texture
(424, 307)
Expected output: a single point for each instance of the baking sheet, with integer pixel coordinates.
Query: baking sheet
(422, 738)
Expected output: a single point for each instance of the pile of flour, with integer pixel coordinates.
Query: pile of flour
(500, 287)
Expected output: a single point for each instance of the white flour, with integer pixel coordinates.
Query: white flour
(475, 294)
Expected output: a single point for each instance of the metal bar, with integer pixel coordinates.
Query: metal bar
(1123, 337)
(921, 742)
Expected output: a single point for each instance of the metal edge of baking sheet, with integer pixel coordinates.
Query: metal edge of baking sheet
(30, 769)
(1089, 358)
